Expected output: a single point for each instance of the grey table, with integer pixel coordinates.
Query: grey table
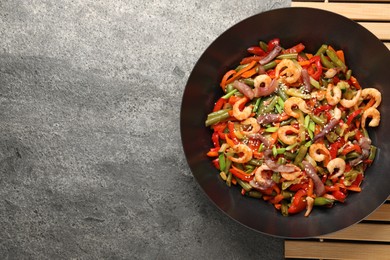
(91, 164)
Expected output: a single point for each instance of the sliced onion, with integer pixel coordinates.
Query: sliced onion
(268, 183)
(244, 89)
(306, 80)
(319, 187)
(271, 55)
(262, 138)
(265, 91)
(275, 166)
(332, 123)
(268, 118)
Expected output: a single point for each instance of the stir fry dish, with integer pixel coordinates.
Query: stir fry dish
(291, 127)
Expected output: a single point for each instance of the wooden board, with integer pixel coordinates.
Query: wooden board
(369, 239)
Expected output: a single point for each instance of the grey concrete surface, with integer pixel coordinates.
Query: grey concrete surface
(91, 164)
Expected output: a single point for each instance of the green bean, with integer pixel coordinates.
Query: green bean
(256, 106)
(270, 65)
(272, 129)
(287, 122)
(348, 74)
(222, 162)
(332, 137)
(321, 50)
(246, 186)
(325, 62)
(217, 119)
(317, 120)
(372, 153)
(321, 201)
(307, 121)
(314, 83)
(287, 194)
(249, 81)
(229, 94)
(333, 56)
(255, 162)
(267, 109)
(288, 56)
(229, 87)
(290, 156)
(301, 154)
(276, 177)
(229, 179)
(240, 67)
(255, 194)
(352, 155)
(281, 91)
(296, 93)
(284, 208)
(263, 46)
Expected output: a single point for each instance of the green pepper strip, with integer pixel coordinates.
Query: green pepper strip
(246, 186)
(270, 65)
(333, 56)
(321, 201)
(372, 153)
(317, 120)
(321, 50)
(287, 56)
(267, 109)
(216, 118)
(301, 154)
(255, 194)
(325, 62)
(281, 91)
(256, 106)
(229, 94)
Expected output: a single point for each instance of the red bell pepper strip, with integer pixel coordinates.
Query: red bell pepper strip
(355, 82)
(240, 174)
(339, 195)
(216, 163)
(321, 109)
(295, 49)
(350, 148)
(315, 70)
(220, 128)
(298, 207)
(256, 50)
(215, 139)
(352, 116)
(272, 43)
(298, 196)
(219, 104)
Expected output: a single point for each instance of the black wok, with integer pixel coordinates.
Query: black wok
(365, 55)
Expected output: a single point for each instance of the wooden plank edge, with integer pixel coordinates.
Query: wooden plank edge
(335, 250)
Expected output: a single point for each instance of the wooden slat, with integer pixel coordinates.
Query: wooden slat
(363, 232)
(381, 214)
(387, 44)
(355, 11)
(381, 30)
(335, 250)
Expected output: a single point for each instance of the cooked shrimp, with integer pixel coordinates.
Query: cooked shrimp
(245, 153)
(369, 93)
(255, 127)
(295, 101)
(288, 70)
(347, 103)
(258, 173)
(262, 80)
(375, 116)
(288, 139)
(336, 97)
(245, 113)
(336, 163)
(318, 94)
(290, 176)
(318, 152)
(337, 113)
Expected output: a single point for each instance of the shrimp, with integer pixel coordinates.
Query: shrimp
(347, 103)
(288, 69)
(336, 163)
(372, 93)
(318, 94)
(245, 113)
(255, 127)
(375, 116)
(290, 176)
(336, 97)
(337, 113)
(295, 101)
(287, 138)
(318, 152)
(245, 153)
(258, 174)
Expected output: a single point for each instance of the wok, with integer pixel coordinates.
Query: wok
(369, 60)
